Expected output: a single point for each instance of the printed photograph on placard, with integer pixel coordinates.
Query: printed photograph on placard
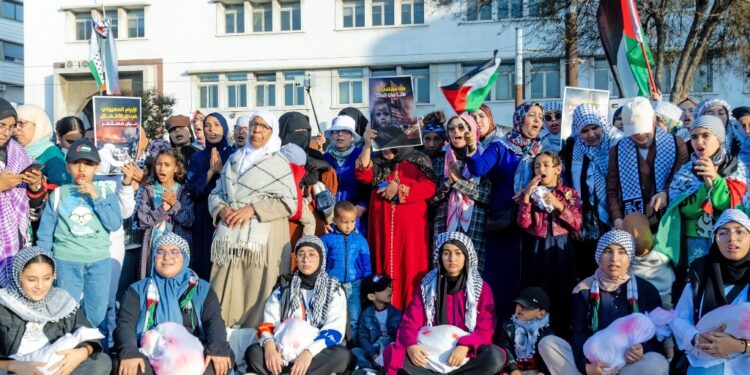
(117, 122)
(391, 107)
(575, 96)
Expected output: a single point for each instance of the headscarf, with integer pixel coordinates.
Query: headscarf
(14, 208)
(709, 103)
(488, 112)
(323, 286)
(383, 167)
(359, 119)
(435, 285)
(601, 280)
(7, 110)
(721, 271)
(56, 305)
(525, 148)
(43, 133)
(596, 174)
(434, 128)
(157, 146)
(164, 299)
(669, 114)
(251, 155)
(460, 205)
(224, 143)
(294, 127)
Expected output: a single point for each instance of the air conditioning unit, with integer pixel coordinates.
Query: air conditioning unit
(69, 64)
(2, 87)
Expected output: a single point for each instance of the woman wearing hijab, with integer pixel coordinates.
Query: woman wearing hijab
(401, 183)
(434, 138)
(711, 182)
(720, 108)
(550, 135)
(204, 170)
(360, 121)
(34, 131)
(68, 130)
(295, 128)
(20, 191)
(717, 279)
(452, 293)
(462, 198)
(508, 165)
(34, 314)
(173, 293)
(311, 295)
(611, 293)
(586, 164)
(742, 131)
(250, 204)
(488, 130)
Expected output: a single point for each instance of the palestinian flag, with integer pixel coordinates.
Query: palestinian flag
(470, 91)
(103, 58)
(626, 46)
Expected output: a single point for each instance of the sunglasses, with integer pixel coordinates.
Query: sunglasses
(549, 116)
(460, 128)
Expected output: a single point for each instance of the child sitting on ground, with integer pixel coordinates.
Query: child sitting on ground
(378, 323)
(521, 334)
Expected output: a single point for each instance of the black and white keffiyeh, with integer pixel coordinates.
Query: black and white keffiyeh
(323, 291)
(56, 305)
(627, 162)
(473, 280)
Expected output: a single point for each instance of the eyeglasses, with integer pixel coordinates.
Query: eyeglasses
(22, 124)
(5, 128)
(337, 132)
(262, 126)
(548, 117)
(173, 253)
(459, 128)
(726, 234)
(305, 256)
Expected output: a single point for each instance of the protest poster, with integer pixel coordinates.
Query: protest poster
(391, 105)
(117, 122)
(575, 96)
(613, 105)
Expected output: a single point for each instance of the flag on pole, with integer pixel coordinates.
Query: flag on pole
(103, 57)
(470, 91)
(626, 47)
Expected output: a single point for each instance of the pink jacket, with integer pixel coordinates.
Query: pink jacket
(536, 221)
(414, 318)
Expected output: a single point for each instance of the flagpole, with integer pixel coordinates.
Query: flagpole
(651, 79)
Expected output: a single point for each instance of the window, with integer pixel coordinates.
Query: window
(265, 90)
(262, 18)
(354, 13)
(420, 79)
(350, 86)
(136, 23)
(412, 12)
(209, 91)
(291, 18)
(545, 81)
(534, 8)
(603, 78)
(703, 82)
(505, 85)
(83, 26)
(294, 90)
(237, 90)
(12, 52)
(510, 8)
(234, 19)
(13, 10)
(111, 14)
(382, 72)
(478, 10)
(382, 12)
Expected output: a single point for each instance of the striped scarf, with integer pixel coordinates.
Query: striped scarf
(627, 162)
(460, 205)
(595, 297)
(323, 291)
(14, 211)
(185, 301)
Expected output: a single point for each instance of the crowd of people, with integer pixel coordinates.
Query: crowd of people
(502, 252)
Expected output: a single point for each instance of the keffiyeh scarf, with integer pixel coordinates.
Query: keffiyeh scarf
(14, 210)
(525, 148)
(460, 206)
(323, 291)
(473, 280)
(340, 156)
(527, 332)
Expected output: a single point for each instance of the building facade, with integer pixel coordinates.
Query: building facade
(11, 50)
(234, 56)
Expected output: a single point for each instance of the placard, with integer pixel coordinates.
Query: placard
(391, 106)
(117, 122)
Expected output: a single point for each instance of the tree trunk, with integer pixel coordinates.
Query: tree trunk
(571, 45)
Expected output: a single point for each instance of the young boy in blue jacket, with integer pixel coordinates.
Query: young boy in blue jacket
(348, 256)
(75, 226)
(377, 324)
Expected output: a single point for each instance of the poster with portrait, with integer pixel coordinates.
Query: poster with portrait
(391, 107)
(117, 122)
(575, 96)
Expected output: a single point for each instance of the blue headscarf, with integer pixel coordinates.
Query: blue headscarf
(169, 290)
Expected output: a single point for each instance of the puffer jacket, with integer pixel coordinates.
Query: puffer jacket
(348, 255)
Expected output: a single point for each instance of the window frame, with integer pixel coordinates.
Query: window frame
(412, 5)
(16, 47)
(297, 90)
(236, 84)
(268, 86)
(354, 5)
(15, 5)
(475, 7)
(237, 12)
(83, 19)
(383, 6)
(266, 10)
(292, 7)
(544, 68)
(211, 83)
(425, 75)
(350, 81)
(140, 23)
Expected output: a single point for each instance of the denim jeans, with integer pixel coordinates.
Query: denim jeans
(352, 290)
(362, 360)
(88, 283)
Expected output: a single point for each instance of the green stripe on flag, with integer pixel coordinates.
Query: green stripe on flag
(638, 64)
(477, 96)
(95, 73)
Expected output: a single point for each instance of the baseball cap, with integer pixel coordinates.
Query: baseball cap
(375, 283)
(82, 149)
(533, 298)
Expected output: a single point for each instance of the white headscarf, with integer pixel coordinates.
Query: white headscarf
(251, 155)
(42, 139)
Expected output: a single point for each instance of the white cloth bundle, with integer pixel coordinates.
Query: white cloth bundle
(737, 321)
(48, 353)
(293, 336)
(439, 342)
(171, 349)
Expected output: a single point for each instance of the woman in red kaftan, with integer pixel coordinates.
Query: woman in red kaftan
(397, 230)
